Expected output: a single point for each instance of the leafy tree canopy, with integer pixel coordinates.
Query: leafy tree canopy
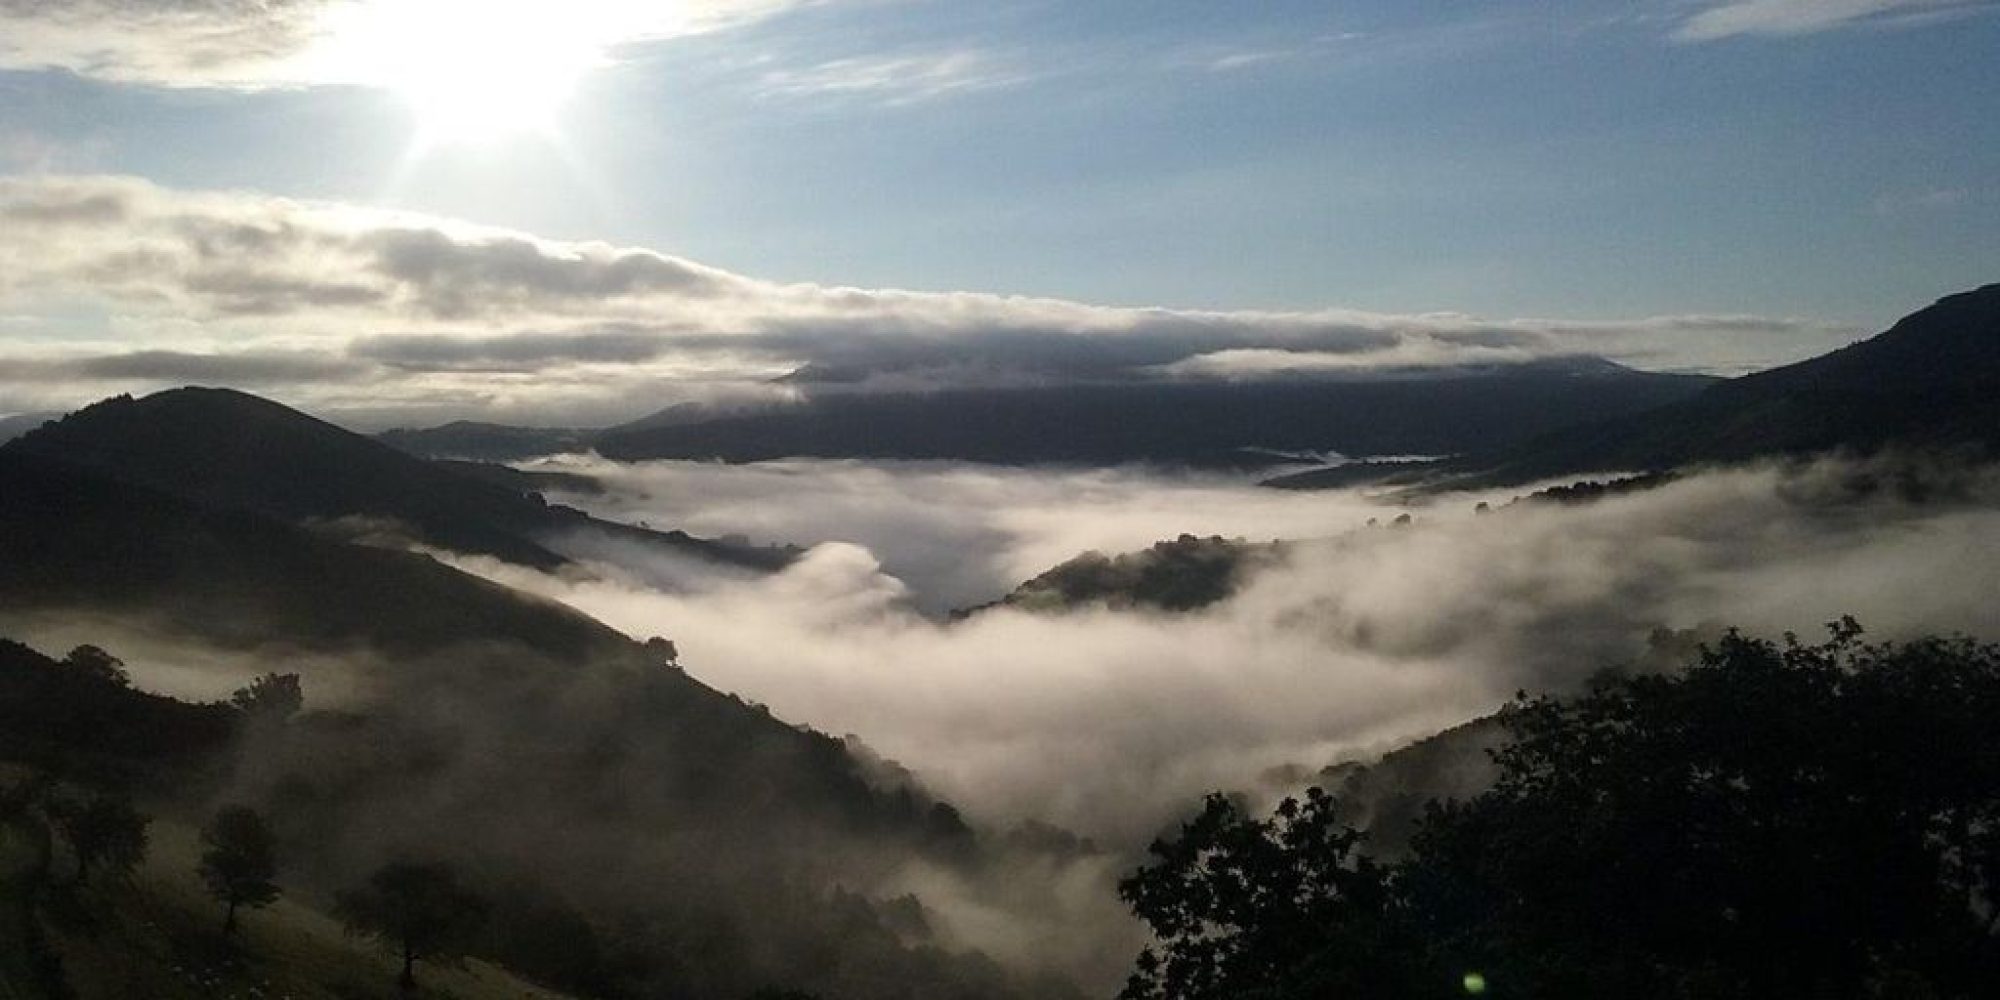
(103, 831)
(417, 910)
(274, 695)
(1779, 819)
(239, 861)
(93, 661)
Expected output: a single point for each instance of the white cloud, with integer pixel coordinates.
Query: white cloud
(251, 44)
(958, 534)
(1249, 58)
(897, 80)
(449, 318)
(1802, 17)
(1256, 362)
(1112, 722)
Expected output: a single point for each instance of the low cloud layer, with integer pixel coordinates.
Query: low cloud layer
(956, 535)
(1110, 723)
(114, 283)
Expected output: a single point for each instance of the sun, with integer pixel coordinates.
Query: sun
(472, 71)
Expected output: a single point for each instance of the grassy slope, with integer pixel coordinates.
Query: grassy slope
(160, 938)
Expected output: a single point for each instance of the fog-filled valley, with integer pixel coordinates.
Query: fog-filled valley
(1360, 636)
(837, 500)
(1067, 734)
(883, 729)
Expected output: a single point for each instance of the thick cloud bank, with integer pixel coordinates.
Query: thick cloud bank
(113, 283)
(1110, 723)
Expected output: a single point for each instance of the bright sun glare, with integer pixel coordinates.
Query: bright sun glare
(473, 71)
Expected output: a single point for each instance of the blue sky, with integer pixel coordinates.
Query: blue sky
(1836, 161)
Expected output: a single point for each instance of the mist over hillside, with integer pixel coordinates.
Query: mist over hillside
(522, 741)
(1015, 500)
(896, 728)
(1354, 637)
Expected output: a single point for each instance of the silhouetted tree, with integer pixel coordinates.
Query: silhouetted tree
(277, 696)
(94, 662)
(1778, 819)
(1246, 907)
(417, 910)
(238, 861)
(664, 650)
(102, 831)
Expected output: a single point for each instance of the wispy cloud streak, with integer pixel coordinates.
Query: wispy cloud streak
(1804, 17)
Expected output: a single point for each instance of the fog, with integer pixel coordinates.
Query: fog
(1111, 723)
(589, 782)
(163, 657)
(955, 534)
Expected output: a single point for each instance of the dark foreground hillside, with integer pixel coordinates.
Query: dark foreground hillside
(661, 837)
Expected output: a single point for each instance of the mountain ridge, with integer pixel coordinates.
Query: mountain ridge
(1195, 423)
(1929, 382)
(225, 448)
(1225, 423)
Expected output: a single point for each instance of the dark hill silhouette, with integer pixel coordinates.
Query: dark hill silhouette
(489, 709)
(1181, 574)
(1233, 424)
(1220, 424)
(70, 538)
(19, 424)
(228, 449)
(485, 442)
(53, 713)
(1930, 381)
